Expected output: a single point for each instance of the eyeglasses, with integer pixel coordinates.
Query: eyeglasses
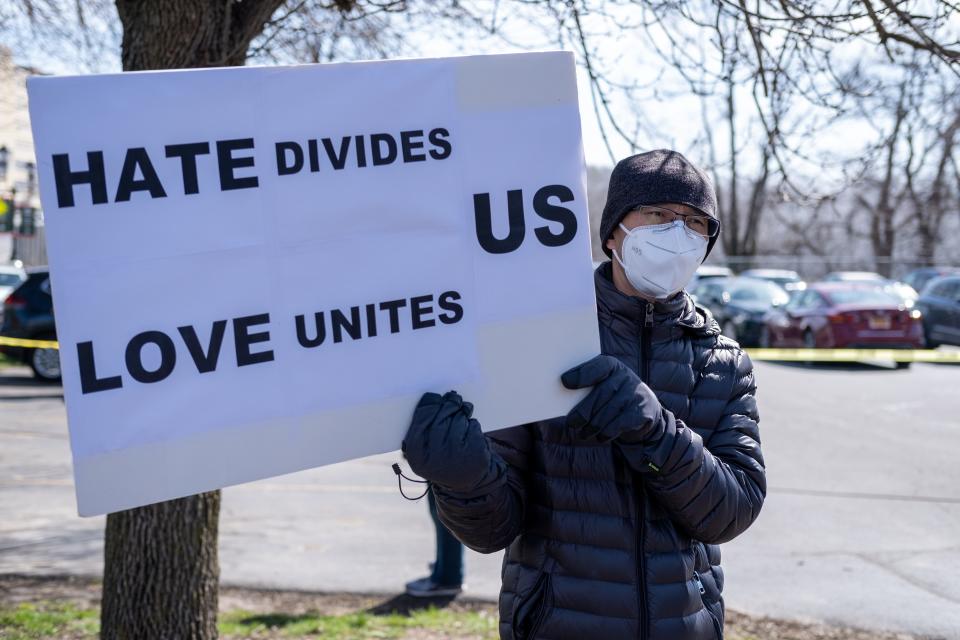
(700, 224)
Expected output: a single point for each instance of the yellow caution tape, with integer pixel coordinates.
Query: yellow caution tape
(32, 344)
(855, 355)
(784, 355)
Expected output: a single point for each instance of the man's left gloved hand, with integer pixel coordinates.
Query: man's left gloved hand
(620, 406)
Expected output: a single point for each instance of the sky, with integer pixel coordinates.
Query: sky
(672, 117)
(65, 61)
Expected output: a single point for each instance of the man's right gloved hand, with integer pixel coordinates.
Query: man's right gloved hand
(445, 445)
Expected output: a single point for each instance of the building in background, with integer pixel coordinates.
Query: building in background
(21, 226)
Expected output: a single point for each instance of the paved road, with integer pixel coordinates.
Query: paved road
(861, 526)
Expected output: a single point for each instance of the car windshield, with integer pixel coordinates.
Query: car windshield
(765, 292)
(863, 296)
(9, 279)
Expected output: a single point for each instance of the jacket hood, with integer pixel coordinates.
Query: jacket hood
(626, 314)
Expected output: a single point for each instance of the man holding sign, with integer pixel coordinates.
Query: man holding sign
(611, 515)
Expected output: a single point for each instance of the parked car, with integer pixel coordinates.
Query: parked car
(10, 278)
(28, 313)
(905, 292)
(788, 280)
(940, 306)
(709, 292)
(708, 272)
(845, 315)
(740, 305)
(918, 278)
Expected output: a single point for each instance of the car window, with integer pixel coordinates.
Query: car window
(44, 286)
(811, 300)
(9, 280)
(865, 295)
(745, 294)
(759, 291)
(949, 289)
(708, 290)
(796, 300)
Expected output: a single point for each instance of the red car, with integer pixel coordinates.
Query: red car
(844, 315)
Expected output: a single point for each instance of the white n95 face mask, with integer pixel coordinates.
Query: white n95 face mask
(660, 259)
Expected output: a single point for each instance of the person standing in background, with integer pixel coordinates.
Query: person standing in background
(446, 577)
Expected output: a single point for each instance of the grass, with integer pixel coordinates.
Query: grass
(357, 625)
(47, 620)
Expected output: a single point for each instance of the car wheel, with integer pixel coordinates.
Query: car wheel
(730, 329)
(903, 365)
(929, 343)
(46, 362)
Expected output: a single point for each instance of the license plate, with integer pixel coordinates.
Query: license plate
(879, 322)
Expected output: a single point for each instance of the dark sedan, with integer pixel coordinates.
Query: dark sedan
(940, 305)
(919, 278)
(28, 313)
(740, 305)
(845, 315)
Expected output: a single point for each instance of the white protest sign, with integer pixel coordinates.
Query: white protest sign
(261, 270)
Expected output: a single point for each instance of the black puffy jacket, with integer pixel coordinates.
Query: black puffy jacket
(616, 541)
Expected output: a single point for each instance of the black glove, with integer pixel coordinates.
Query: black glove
(445, 445)
(619, 407)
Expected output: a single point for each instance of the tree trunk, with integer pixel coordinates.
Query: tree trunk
(161, 569)
(180, 34)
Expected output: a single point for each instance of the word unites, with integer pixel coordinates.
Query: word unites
(359, 322)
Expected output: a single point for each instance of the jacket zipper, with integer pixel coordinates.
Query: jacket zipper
(641, 494)
(645, 339)
(716, 623)
(696, 578)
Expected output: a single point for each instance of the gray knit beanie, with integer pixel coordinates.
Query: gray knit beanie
(656, 177)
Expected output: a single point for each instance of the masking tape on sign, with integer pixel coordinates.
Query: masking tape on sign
(31, 344)
(854, 355)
